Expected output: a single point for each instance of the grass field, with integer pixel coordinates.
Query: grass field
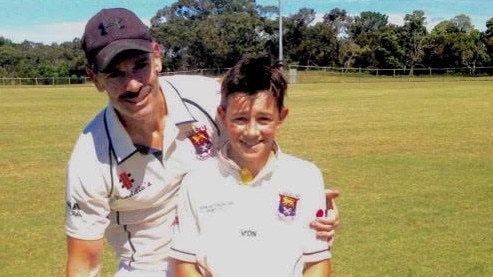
(413, 162)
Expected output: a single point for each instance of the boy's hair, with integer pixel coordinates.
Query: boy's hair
(252, 75)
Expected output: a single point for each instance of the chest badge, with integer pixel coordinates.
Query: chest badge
(126, 180)
(287, 205)
(202, 143)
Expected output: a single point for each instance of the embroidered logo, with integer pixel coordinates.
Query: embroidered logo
(105, 26)
(125, 179)
(73, 209)
(287, 205)
(202, 143)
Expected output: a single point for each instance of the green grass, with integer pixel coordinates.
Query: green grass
(39, 127)
(413, 162)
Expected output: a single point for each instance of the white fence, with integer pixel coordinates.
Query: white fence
(299, 74)
(54, 81)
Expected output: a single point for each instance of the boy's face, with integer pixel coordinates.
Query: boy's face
(132, 84)
(251, 122)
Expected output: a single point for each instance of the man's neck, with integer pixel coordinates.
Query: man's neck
(149, 131)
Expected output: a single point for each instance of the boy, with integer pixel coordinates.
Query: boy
(247, 212)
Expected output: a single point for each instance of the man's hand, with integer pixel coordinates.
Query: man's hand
(326, 226)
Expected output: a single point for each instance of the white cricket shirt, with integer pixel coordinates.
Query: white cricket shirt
(113, 189)
(258, 229)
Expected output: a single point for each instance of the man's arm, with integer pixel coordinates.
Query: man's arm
(318, 269)
(326, 226)
(84, 257)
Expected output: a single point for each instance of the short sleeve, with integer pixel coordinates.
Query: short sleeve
(186, 239)
(86, 196)
(315, 249)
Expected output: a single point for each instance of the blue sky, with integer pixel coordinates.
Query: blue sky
(49, 21)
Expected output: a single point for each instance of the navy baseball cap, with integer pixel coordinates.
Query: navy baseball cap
(112, 31)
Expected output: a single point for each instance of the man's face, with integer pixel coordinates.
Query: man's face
(251, 122)
(132, 85)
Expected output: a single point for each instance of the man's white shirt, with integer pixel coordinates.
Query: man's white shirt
(115, 190)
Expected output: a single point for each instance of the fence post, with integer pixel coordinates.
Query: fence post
(292, 75)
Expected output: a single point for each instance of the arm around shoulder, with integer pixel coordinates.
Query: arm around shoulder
(84, 257)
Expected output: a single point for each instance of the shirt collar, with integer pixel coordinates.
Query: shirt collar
(229, 166)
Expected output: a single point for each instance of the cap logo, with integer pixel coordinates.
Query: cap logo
(105, 27)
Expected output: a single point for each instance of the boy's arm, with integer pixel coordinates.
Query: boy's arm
(317, 260)
(318, 269)
(186, 269)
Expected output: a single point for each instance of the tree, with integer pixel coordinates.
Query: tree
(227, 37)
(414, 31)
(208, 34)
(463, 23)
(365, 31)
(438, 47)
(473, 51)
(348, 52)
(339, 21)
(296, 30)
(367, 22)
(453, 44)
(318, 47)
(488, 38)
(9, 58)
(388, 52)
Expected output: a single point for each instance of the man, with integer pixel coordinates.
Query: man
(126, 167)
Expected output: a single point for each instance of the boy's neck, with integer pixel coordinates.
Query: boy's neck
(250, 171)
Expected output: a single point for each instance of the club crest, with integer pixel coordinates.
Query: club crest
(202, 143)
(287, 206)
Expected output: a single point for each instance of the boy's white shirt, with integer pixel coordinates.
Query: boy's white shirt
(239, 230)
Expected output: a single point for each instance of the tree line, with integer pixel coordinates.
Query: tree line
(213, 34)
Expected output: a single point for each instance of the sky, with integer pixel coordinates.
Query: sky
(58, 21)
